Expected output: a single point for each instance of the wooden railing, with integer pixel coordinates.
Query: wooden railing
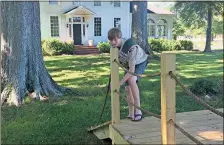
(168, 95)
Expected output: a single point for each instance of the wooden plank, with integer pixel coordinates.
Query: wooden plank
(196, 113)
(155, 137)
(102, 133)
(115, 85)
(154, 121)
(196, 126)
(130, 126)
(99, 126)
(116, 136)
(205, 126)
(168, 97)
(157, 129)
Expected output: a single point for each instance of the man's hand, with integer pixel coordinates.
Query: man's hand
(121, 83)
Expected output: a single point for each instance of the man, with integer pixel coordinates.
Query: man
(132, 57)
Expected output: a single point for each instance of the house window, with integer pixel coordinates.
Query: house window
(162, 28)
(151, 27)
(117, 4)
(97, 26)
(117, 23)
(53, 2)
(97, 3)
(152, 30)
(84, 30)
(76, 19)
(83, 19)
(54, 26)
(70, 30)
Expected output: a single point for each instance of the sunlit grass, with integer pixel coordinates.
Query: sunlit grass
(65, 121)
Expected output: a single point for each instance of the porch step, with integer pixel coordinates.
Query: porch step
(83, 50)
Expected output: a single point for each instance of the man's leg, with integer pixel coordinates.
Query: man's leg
(135, 92)
(130, 99)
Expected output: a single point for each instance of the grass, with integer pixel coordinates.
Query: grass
(65, 121)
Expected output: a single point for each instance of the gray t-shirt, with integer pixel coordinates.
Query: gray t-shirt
(135, 55)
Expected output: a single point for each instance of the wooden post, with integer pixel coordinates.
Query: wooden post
(168, 98)
(1, 37)
(115, 85)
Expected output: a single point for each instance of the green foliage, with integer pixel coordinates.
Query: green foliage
(206, 87)
(65, 120)
(186, 45)
(178, 28)
(217, 27)
(196, 13)
(104, 47)
(56, 47)
(169, 45)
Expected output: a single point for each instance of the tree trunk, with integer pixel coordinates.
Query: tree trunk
(23, 69)
(139, 24)
(0, 45)
(209, 31)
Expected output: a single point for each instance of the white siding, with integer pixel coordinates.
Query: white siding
(106, 11)
(168, 18)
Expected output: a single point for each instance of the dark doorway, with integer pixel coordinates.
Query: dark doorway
(77, 37)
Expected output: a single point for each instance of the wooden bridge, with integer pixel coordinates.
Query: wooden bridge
(205, 126)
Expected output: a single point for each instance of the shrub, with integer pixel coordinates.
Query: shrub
(204, 87)
(155, 44)
(104, 47)
(186, 44)
(68, 48)
(56, 47)
(176, 45)
(169, 45)
(43, 46)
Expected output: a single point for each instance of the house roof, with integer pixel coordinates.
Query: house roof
(156, 10)
(153, 10)
(82, 9)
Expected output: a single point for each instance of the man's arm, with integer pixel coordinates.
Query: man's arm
(128, 75)
(132, 54)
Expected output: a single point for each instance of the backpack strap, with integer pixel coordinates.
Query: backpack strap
(127, 45)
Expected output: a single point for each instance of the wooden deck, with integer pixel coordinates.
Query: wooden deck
(204, 125)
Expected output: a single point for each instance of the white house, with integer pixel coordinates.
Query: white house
(80, 22)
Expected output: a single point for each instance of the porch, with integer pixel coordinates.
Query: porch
(85, 50)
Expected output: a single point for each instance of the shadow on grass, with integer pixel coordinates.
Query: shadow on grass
(65, 121)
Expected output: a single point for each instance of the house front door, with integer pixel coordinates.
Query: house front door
(77, 37)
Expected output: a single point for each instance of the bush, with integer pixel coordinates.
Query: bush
(104, 47)
(186, 44)
(169, 45)
(57, 47)
(176, 45)
(206, 87)
(68, 48)
(43, 46)
(155, 44)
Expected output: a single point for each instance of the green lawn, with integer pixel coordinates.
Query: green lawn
(65, 121)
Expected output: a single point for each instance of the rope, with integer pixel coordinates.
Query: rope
(198, 99)
(185, 133)
(105, 100)
(138, 75)
(143, 110)
(159, 117)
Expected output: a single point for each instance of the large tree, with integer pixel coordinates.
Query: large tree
(23, 69)
(139, 24)
(178, 28)
(199, 14)
(218, 25)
